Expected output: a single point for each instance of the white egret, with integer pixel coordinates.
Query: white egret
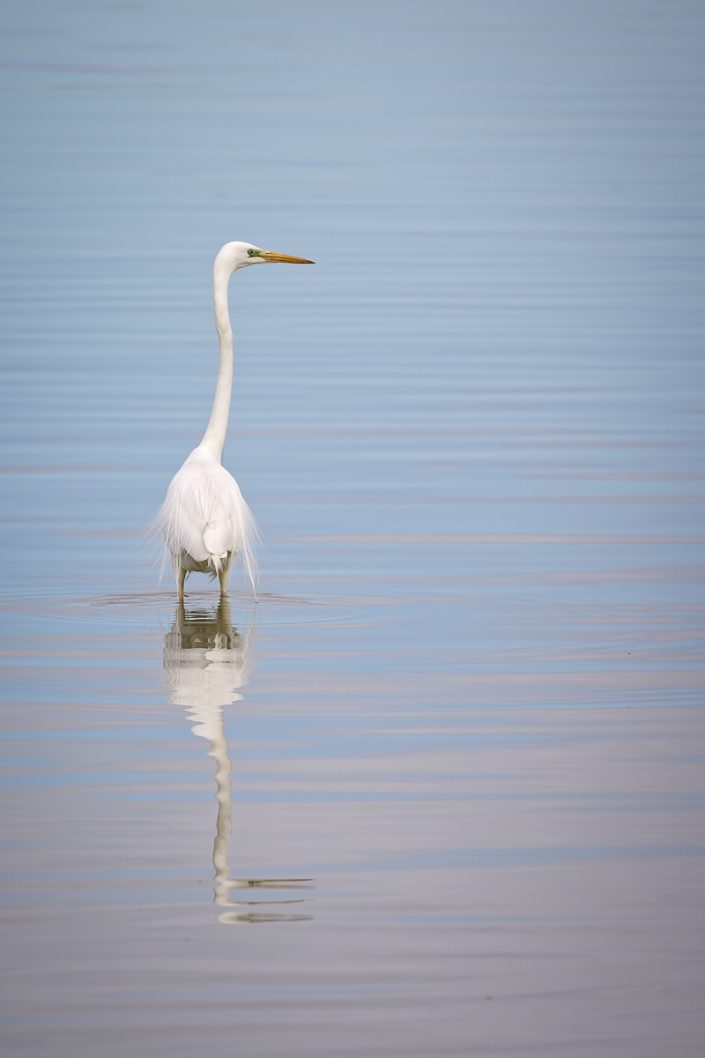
(204, 518)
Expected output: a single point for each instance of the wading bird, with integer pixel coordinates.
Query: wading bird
(204, 518)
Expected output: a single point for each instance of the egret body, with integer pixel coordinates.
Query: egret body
(204, 518)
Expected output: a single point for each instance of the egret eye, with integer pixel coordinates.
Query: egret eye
(251, 253)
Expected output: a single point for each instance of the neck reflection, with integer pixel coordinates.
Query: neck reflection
(206, 667)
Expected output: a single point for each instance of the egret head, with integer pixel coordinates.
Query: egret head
(236, 255)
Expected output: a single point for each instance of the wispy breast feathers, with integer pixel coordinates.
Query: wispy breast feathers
(205, 517)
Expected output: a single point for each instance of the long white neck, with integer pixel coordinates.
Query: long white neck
(214, 437)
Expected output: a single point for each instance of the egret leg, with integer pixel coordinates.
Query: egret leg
(182, 578)
(223, 577)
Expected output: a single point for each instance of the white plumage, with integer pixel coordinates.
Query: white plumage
(204, 519)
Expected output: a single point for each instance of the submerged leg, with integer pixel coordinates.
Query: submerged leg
(182, 578)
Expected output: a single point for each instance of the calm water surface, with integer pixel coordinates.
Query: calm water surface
(438, 791)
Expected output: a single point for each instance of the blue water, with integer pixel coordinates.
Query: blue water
(456, 742)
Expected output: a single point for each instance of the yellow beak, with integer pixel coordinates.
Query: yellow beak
(284, 258)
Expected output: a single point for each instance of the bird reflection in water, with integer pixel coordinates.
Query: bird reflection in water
(205, 661)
